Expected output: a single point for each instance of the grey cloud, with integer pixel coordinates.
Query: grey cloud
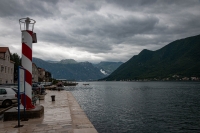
(27, 8)
(82, 6)
(131, 3)
(84, 43)
(103, 28)
(56, 37)
(162, 5)
(129, 27)
(83, 31)
(92, 6)
(116, 30)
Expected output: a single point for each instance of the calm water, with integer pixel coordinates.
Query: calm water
(141, 107)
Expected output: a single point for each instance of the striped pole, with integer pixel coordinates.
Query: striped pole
(27, 39)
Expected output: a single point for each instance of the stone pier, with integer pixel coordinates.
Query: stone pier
(64, 115)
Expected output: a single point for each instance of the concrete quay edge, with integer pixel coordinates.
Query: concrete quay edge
(80, 121)
(64, 115)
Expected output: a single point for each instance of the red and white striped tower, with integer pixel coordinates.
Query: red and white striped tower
(27, 39)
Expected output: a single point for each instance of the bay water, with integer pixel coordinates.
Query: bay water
(140, 107)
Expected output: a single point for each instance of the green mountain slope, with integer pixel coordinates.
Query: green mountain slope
(181, 57)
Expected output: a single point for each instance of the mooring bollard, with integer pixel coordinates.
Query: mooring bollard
(53, 97)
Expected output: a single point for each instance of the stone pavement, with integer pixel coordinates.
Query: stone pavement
(64, 115)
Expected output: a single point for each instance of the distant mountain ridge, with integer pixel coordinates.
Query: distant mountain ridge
(71, 70)
(49, 61)
(181, 57)
(68, 61)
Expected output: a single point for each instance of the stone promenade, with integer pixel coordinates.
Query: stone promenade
(64, 115)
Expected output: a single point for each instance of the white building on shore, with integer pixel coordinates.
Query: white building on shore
(6, 66)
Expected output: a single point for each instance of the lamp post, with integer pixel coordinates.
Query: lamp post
(28, 37)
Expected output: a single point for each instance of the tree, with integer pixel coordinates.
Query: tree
(16, 58)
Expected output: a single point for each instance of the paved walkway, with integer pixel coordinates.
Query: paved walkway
(62, 116)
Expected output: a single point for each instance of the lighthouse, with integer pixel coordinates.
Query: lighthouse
(28, 37)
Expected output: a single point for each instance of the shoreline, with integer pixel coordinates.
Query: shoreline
(80, 121)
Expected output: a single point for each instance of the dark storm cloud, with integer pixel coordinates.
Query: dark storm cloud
(127, 27)
(97, 32)
(176, 19)
(82, 6)
(127, 4)
(154, 5)
(108, 29)
(11, 8)
(83, 43)
(83, 31)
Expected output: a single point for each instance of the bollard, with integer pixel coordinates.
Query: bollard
(53, 97)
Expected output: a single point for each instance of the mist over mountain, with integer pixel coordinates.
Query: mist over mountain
(107, 67)
(181, 57)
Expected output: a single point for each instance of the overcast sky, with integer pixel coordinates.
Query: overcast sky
(98, 30)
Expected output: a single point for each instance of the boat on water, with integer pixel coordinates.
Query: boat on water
(59, 86)
(52, 87)
(70, 83)
(66, 82)
(85, 84)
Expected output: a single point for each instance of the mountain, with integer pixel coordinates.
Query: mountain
(181, 57)
(72, 71)
(64, 61)
(52, 61)
(107, 67)
(68, 61)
